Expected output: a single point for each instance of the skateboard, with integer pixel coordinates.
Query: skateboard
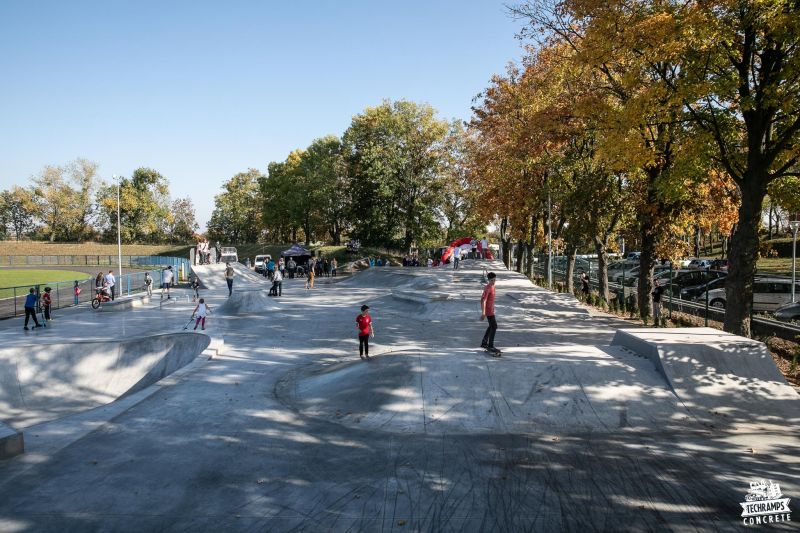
(493, 352)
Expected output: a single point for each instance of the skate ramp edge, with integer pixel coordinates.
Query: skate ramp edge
(41, 383)
(247, 302)
(723, 379)
(11, 442)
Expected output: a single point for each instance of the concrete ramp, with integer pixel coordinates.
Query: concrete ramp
(44, 382)
(721, 378)
(212, 277)
(574, 388)
(247, 302)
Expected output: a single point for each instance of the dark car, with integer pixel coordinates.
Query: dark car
(720, 264)
(693, 278)
(693, 292)
(788, 312)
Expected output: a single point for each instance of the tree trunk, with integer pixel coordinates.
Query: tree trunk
(572, 251)
(520, 252)
(743, 255)
(646, 262)
(697, 241)
(529, 248)
(506, 251)
(601, 249)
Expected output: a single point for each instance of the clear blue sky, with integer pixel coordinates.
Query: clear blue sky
(200, 90)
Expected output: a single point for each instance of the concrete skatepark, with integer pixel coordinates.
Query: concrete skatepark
(268, 421)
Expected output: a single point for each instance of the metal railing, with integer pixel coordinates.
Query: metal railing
(63, 293)
(760, 325)
(136, 261)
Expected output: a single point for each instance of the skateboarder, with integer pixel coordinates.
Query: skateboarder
(229, 277)
(167, 275)
(365, 329)
(487, 312)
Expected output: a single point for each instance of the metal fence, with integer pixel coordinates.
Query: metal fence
(129, 261)
(760, 325)
(63, 293)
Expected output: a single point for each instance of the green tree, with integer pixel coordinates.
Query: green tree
(144, 206)
(181, 221)
(323, 175)
(237, 217)
(64, 200)
(394, 155)
(17, 212)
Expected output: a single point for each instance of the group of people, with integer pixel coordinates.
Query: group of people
(32, 301)
(205, 254)
(106, 284)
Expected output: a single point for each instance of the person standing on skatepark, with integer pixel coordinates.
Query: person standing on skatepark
(201, 311)
(658, 291)
(487, 312)
(47, 302)
(229, 277)
(365, 329)
(30, 308)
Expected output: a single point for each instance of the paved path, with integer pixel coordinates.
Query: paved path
(261, 439)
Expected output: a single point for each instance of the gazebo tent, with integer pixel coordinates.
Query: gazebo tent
(296, 251)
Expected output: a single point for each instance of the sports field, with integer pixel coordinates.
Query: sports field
(18, 277)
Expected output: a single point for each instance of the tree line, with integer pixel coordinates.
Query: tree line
(396, 178)
(71, 203)
(648, 121)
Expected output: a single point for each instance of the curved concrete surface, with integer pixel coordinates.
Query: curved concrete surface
(723, 379)
(475, 393)
(247, 302)
(44, 382)
(288, 430)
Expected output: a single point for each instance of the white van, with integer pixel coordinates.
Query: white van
(261, 263)
(768, 294)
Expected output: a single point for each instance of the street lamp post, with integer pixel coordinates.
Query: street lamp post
(794, 224)
(118, 179)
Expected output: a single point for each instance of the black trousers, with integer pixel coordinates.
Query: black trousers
(488, 337)
(113, 292)
(46, 312)
(363, 344)
(30, 312)
(230, 286)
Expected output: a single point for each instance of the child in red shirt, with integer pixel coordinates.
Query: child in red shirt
(365, 329)
(46, 303)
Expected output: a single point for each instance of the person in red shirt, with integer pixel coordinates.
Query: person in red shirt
(487, 312)
(47, 301)
(365, 329)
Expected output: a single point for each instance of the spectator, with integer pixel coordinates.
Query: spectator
(111, 283)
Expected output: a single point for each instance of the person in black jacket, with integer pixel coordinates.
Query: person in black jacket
(658, 290)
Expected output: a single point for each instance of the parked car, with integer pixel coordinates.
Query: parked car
(693, 278)
(769, 294)
(261, 263)
(697, 264)
(633, 280)
(694, 292)
(229, 255)
(788, 312)
(634, 256)
(720, 264)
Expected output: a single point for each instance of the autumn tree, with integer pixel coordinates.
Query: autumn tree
(17, 209)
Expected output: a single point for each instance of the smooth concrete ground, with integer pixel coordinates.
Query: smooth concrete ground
(288, 431)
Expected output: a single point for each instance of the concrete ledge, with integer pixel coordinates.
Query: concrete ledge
(11, 442)
(721, 378)
(126, 302)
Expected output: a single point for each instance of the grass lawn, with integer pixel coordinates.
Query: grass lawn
(27, 278)
(779, 266)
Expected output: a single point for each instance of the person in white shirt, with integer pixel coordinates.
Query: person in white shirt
(167, 275)
(430, 262)
(277, 283)
(456, 257)
(111, 284)
(201, 311)
(484, 247)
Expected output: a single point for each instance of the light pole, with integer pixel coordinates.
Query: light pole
(794, 224)
(118, 179)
